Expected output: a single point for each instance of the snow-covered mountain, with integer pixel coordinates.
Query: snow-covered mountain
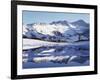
(58, 31)
(80, 23)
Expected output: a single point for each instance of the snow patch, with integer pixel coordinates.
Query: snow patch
(51, 50)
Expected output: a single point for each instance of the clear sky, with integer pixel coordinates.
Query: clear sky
(48, 17)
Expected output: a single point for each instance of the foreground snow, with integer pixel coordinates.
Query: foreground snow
(50, 50)
(59, 59)
(33, 43)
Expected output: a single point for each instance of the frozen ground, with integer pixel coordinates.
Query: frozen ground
(33, 43)
(40, 54)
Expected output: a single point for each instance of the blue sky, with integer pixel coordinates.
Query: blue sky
(48, 17)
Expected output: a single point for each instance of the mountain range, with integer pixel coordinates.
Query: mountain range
(57, 31)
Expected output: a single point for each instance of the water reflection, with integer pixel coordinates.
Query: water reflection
(56, 56)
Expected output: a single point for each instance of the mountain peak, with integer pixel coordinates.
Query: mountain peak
(80, 23)
(63, 22)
